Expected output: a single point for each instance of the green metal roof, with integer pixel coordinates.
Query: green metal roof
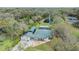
(40, 33)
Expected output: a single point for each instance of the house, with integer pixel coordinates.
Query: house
(72, 19)
(41, 33)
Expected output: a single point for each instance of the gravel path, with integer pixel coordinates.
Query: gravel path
(21, 45)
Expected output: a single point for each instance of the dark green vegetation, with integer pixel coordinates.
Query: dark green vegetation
(15, 21)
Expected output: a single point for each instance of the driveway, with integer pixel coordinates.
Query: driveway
(23, 44)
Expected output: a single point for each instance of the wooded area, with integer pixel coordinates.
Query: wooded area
(14, 22)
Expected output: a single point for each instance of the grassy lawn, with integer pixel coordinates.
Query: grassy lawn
(7, 44)
(42, 47)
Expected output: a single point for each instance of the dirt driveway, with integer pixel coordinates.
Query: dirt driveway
(23, 44)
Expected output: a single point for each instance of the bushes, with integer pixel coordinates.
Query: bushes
(65, 33)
